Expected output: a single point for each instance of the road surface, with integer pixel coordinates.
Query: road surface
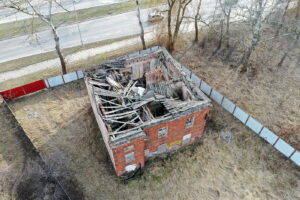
(10, 15)
(91, 31)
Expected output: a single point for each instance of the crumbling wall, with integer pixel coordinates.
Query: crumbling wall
(100, 122)
(176, 131)
(119, 153)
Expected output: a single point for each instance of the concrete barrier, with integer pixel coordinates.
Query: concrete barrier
(62, 79)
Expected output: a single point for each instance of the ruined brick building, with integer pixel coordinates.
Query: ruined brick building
(145, 105)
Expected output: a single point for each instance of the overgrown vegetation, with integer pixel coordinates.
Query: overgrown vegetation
(256, 19)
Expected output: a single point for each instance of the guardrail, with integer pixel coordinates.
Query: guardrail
(286, 149)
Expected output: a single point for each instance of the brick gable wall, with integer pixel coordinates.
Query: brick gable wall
(176, 131)
(173, 140)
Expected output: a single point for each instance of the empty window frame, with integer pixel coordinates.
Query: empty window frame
(129, 157)
(129, 148)
(162, 132)
(189, 122)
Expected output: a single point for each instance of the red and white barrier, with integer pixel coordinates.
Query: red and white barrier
(23, 90)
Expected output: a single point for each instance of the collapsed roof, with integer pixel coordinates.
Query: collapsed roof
(141, 91)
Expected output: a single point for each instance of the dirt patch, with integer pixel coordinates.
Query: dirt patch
(61, 124)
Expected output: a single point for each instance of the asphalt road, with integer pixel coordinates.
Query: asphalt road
(91, 31)
(10, 15)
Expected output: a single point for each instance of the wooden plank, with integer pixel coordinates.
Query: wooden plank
(92, 82)
(107, 93)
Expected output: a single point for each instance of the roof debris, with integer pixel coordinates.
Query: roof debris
(134, 93)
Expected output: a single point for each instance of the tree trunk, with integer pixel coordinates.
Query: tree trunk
(256, 31)
(197, 16)
(176, 30)
(290, 48)
(170, 37)
(282, 18)
(58, 51)
(196, 29)
(246, 56)
(227, 33)
(220, 40)
(282, 59)
(298, 10)
(230, 51)
(180, 16)
(141, 25)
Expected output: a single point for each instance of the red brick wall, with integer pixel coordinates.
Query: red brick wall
(176, 130)
(119, 155)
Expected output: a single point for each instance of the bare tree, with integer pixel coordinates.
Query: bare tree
(292, 30)
(140, 23)
(28, 7)
(197, 18)
(298, 10)
(226, 7)
(177, 9)
(255, 17)
(282, 20)
(291, 46)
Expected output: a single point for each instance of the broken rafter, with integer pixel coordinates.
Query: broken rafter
(121, 122)
(121, 114)
(109, 101)
(92, 82)
(114, 83)
(116, 131)
(142, 103)
(125, 131)
(128, 86)
(107, 93)
(148, 112)
(119, 106)
(117, 110)
(130, 89)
